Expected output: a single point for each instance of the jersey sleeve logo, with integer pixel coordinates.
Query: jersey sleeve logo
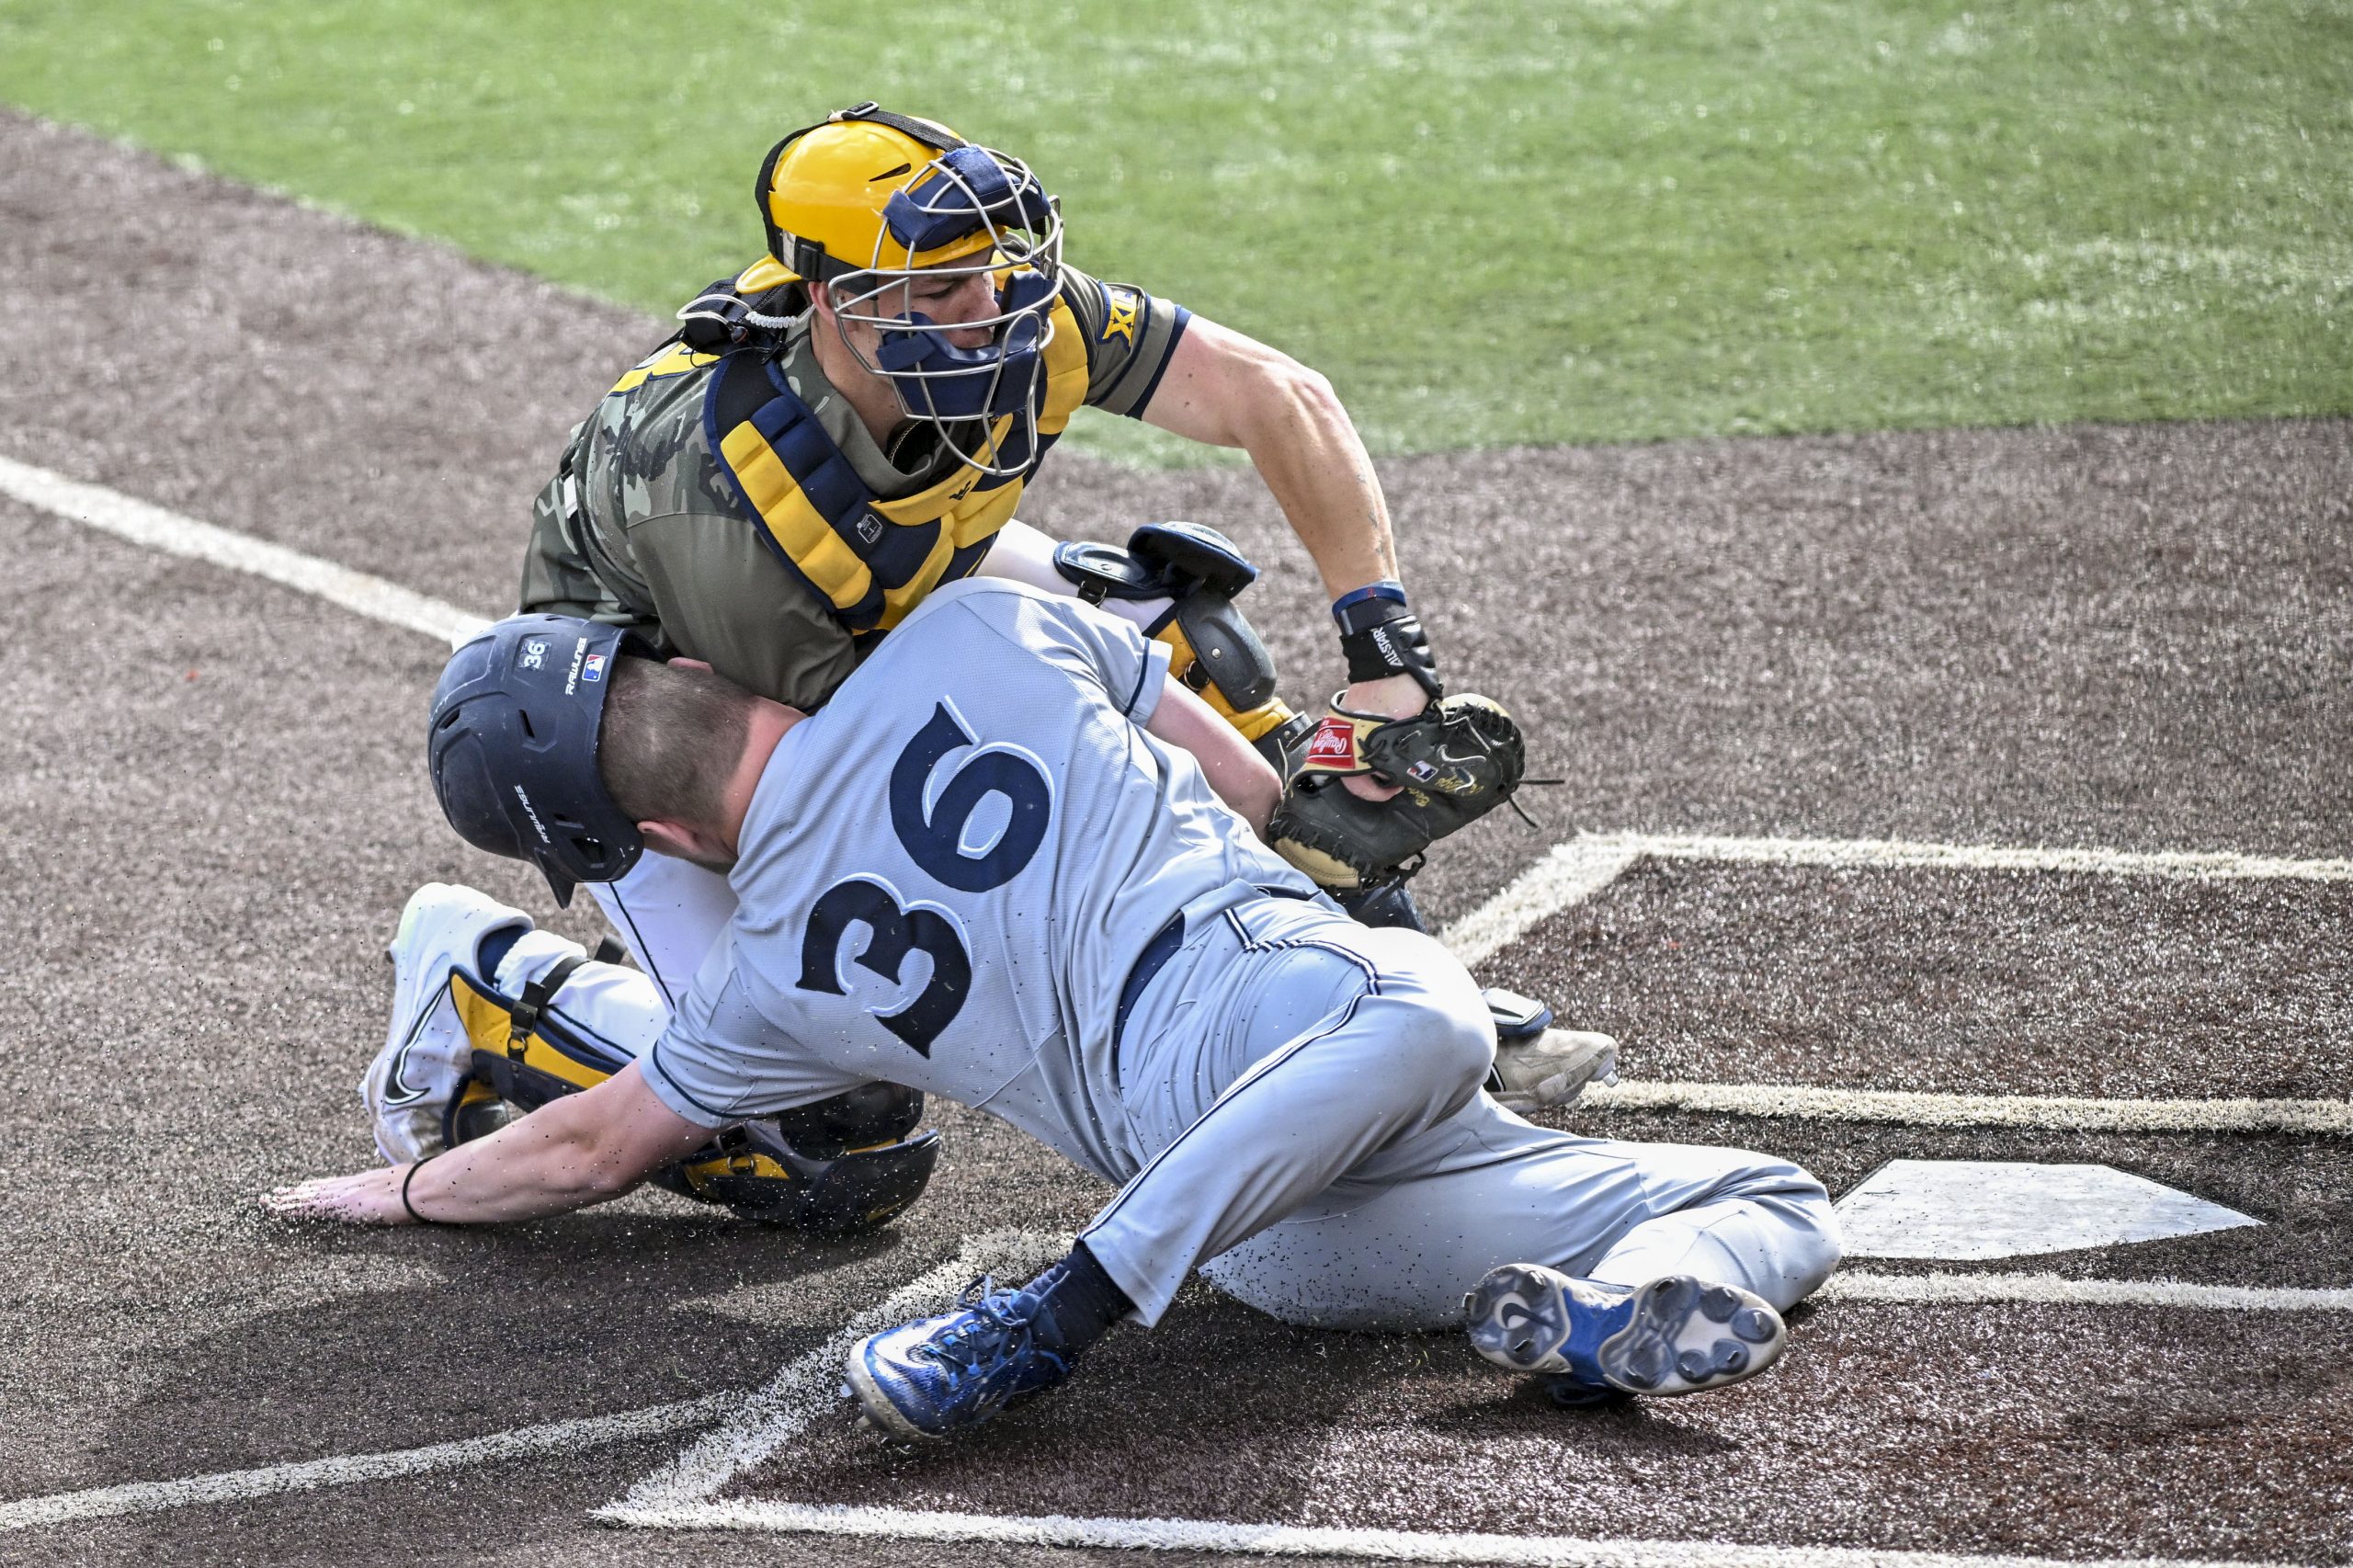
(1122, 321)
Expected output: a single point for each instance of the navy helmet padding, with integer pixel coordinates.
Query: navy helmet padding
(970, 189)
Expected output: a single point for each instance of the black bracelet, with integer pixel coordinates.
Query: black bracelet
(413, 1214)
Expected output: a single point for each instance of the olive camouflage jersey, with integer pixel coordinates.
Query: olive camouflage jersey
(641, 526)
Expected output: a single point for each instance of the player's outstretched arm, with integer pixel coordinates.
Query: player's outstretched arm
(1235, 770)
(1229, 390)
(568, 1154)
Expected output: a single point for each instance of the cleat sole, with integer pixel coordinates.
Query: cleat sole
(1519, 1318)
(1676, 1336)
(1677, 1344)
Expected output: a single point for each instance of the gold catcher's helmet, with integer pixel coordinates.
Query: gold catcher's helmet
(862, 203)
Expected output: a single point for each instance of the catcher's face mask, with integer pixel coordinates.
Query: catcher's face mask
(884, 213)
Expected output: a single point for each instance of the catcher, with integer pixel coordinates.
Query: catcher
(849, 422)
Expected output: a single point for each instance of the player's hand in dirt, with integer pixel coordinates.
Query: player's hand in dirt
(365, 1197)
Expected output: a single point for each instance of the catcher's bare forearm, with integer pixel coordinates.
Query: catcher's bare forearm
(1241, 777)
(1231, 390)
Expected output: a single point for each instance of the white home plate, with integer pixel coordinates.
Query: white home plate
(1980, 1208)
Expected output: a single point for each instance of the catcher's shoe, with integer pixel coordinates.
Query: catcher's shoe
(1550, 1069)
(934, 1376)
(427, 1054)
(1676, 1334)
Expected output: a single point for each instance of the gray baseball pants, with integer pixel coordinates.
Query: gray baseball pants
(1304, 1097)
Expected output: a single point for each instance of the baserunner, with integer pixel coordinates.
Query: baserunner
(1013, 863)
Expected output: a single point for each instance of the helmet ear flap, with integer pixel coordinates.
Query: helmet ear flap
(780, 243)
(512, 746)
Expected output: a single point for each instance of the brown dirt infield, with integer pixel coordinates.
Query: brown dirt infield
(2138, 638)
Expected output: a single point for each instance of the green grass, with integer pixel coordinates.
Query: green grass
(1495, 222)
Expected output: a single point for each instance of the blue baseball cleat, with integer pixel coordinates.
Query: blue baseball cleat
(932, 1376)
(1675, 1335)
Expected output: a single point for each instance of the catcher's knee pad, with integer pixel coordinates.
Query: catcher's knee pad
(1212, 647)
(1215, 651)
(841, 1165)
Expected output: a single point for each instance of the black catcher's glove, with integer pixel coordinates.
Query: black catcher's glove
(1455, 761)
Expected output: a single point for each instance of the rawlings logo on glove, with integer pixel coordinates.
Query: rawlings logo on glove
(1455, 761)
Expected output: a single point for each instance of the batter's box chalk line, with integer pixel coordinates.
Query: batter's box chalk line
(1574, 871)
(683, 1496)
(2326, 1118)
(680, 1494)
(1578, 869)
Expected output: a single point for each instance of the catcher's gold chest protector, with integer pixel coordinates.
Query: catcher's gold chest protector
(871, 560)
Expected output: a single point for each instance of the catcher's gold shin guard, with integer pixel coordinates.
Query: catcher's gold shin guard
(849, 1164)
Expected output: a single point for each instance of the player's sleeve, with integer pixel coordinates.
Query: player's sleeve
(1102, 653)
(720, 1061)
(1131, 335)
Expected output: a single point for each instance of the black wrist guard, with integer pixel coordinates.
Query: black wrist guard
(1381, 637)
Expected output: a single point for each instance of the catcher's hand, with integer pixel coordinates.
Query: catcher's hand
(1454, 762)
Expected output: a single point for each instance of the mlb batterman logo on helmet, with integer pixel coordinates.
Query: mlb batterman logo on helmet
(514, 743)
(866, 203)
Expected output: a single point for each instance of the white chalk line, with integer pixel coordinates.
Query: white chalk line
(1574, 871)
(1569, 874)
(155, 528)
(308, 1475)
(2332, 1118)
(2051, 1289)
(797, 1395)
(2193, 865)
(1291, 1540)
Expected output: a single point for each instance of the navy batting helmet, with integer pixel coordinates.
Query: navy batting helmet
(514, 748)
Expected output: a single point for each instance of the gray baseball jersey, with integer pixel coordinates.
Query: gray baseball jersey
(949, 871)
